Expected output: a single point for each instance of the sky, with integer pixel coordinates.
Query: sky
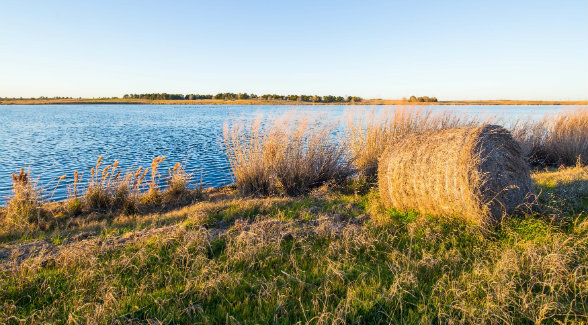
(517, 49)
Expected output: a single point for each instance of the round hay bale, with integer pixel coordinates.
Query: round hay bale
(477, 173)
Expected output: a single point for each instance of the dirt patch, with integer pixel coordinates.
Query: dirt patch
(40, 252)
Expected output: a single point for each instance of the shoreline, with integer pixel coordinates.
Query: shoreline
(275, 102)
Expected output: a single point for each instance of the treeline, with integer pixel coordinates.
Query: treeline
(424, 99)
(30, 98)
(54, 97)
(234, 96)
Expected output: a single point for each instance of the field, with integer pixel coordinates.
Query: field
(275, 102)
(278, 248)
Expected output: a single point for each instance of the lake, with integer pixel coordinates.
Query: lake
(53, 140)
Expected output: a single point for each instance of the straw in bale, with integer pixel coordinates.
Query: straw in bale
(477, 173)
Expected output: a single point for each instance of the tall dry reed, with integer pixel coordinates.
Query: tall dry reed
(305, 155)
(249, 156)
(103, 180)
(73, 202)
(294, 155)
(368, 134)
(568, 137)
(555, 140)
(23, 207)
(177, 183)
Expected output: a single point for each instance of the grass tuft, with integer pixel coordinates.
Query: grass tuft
(556, 140)
(369, 134)
(293, 156)
(23, 209)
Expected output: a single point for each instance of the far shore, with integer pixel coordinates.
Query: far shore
(277, 102)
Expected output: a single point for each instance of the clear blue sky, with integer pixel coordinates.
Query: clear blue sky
(529, 49)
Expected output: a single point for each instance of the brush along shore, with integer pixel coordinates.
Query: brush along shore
(88, 101)
(333, 255)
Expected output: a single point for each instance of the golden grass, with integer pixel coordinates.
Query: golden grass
(286, 154)
(368, 134)
(23, 209)
(306, 259)
(305, 155)
(568, 137)
(555, 140)
(107, 192)
(249, 156)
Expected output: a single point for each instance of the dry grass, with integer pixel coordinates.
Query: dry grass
(313, 259)
(305, 155)
(324, 257)
(103, 181)
(177, 184)
(568, 137)
(249, 157)
(108, 192)
(294, 156)
(555, 140)
(23, 209)
(476, 173)
(369, 134)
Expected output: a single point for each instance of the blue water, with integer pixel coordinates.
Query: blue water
(53, 140)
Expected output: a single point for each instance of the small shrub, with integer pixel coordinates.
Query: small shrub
(74, 207)
(177, 182)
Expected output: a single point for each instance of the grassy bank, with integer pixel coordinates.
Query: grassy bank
(330, 256)
(302, 237)
(275, 102)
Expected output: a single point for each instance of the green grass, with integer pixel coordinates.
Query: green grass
(323, 258)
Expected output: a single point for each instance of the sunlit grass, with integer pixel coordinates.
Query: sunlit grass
(326, 257)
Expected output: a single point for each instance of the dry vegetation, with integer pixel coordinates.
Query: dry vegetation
(556, 140)
(287, 155)
(369, 134)
(331, 254)
(107, 194)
